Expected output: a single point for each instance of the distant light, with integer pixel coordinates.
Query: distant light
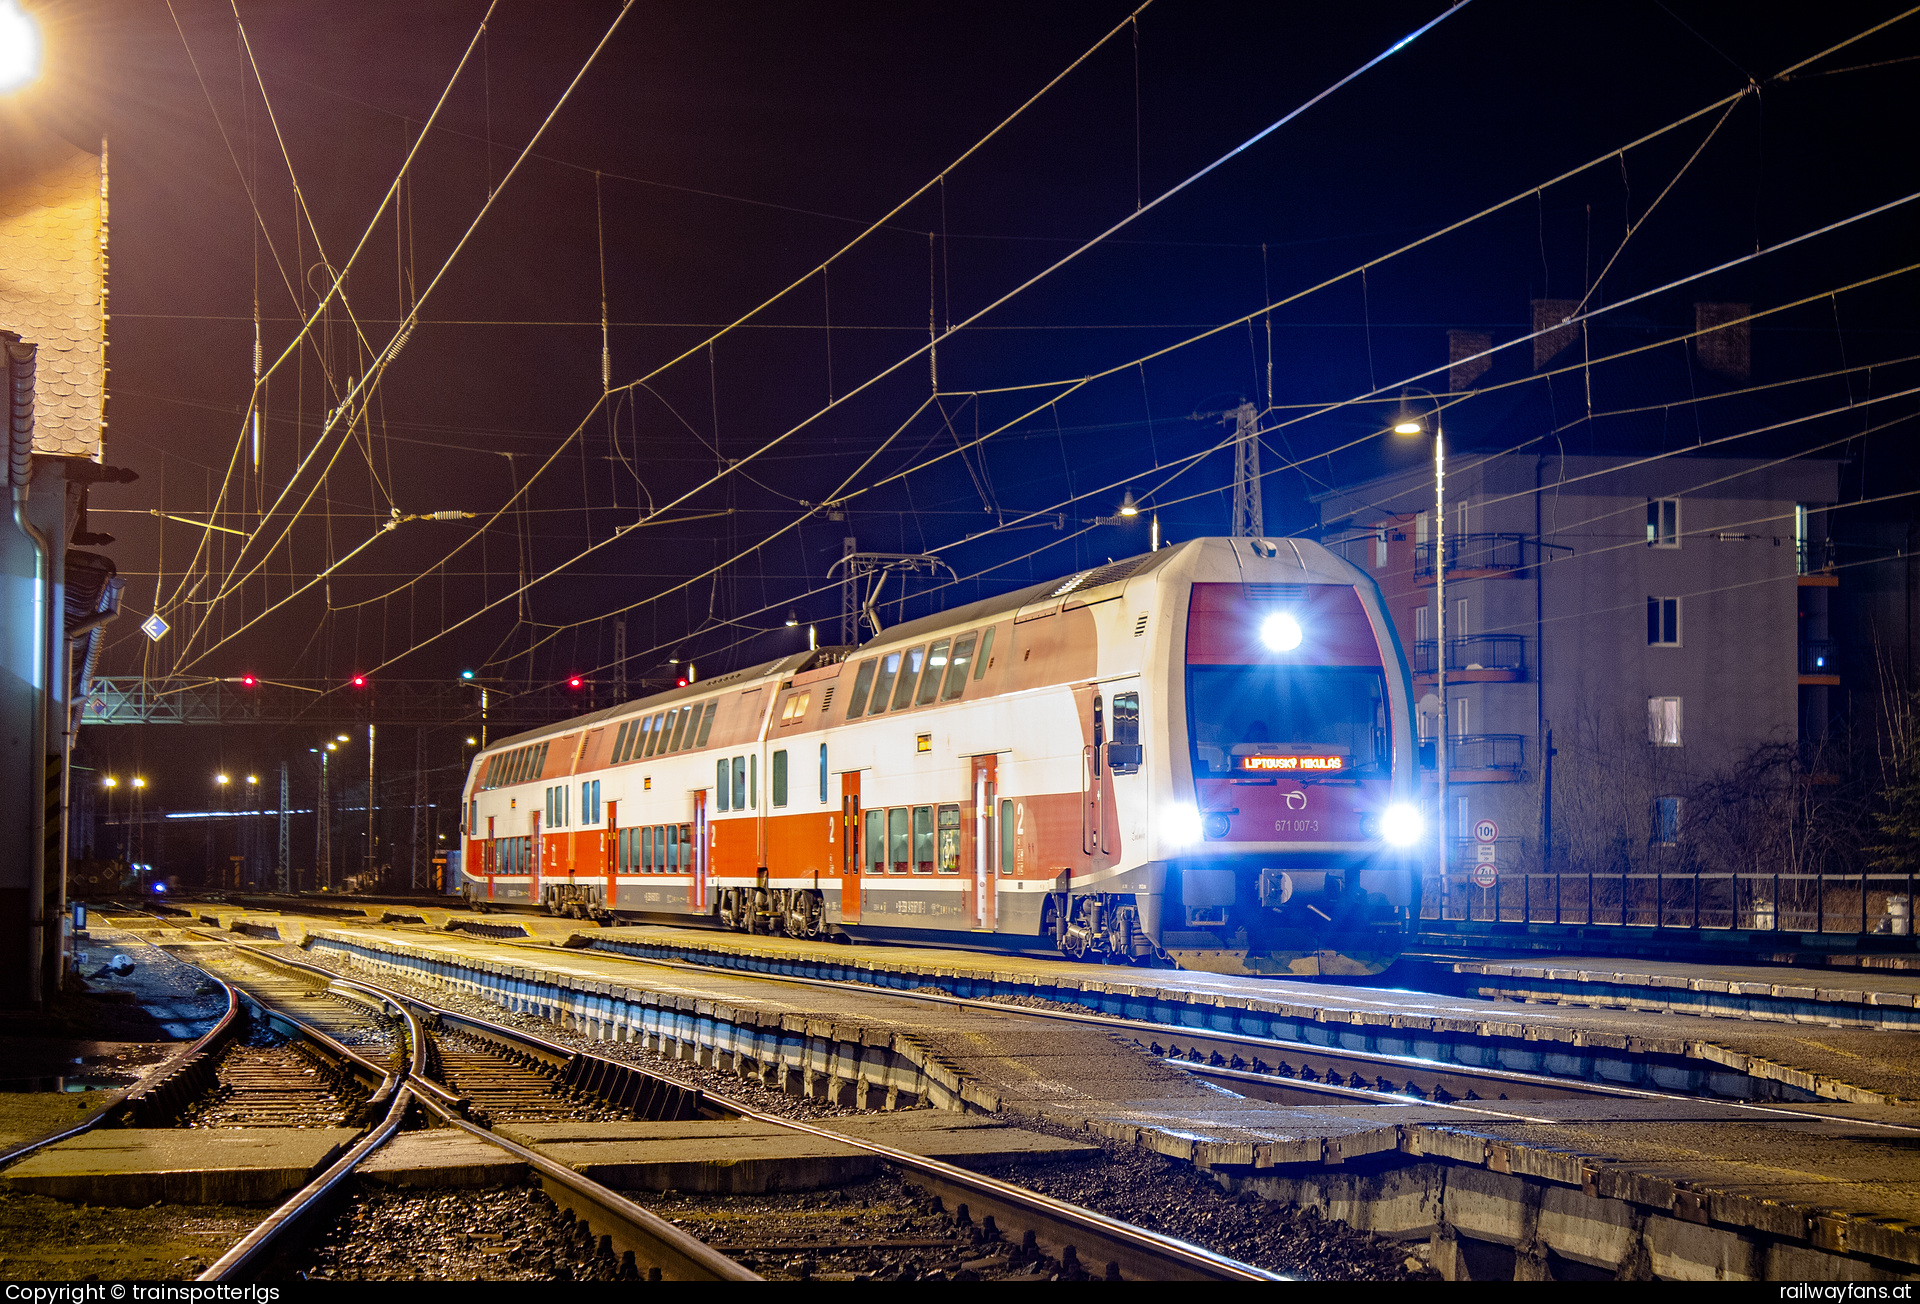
(333, 747)
(1280, 632)
(248, 681)
(220, 779)
(139, 783)
(341, 738)
(792, 619)
(111, 782)
(253, 778)
(19, 47)
(473, 742)
(575, 682)
(159, 889)
(1409, 427)
(1127, 506)
(466, 674)
(359, 681)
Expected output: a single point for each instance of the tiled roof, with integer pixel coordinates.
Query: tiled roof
(53, 276)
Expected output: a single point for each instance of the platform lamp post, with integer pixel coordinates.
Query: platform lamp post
(1410, 422)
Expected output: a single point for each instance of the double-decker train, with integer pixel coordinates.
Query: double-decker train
(1202, 755)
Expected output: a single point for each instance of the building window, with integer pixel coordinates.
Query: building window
(1666, 821)
(1663, 522)
(1459, 629)
(1663, 721)
(1663, 622)
(1380, 547)
(1422, 624)
(1461, 717)
(1421, 527)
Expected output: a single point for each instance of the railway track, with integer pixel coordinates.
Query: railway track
(461, 1067)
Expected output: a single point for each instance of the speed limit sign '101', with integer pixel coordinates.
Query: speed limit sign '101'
(1486, 831)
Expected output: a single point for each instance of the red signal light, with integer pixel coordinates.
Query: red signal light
(359, 681)
(681, 682)
(248, 681)
(574, 682)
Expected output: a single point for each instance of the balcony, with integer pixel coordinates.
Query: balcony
(1475, 659)
(1819, 662)
(1814, 559)
(1479, 758)
(1476, 556)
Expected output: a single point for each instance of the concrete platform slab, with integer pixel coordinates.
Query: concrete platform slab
(448, 1157)
(135, 1166)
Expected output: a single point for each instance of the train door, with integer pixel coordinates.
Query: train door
(986, 901)
(1092, 805)
(609, 853)
(702, 848)
(850, 847)
(533, 860)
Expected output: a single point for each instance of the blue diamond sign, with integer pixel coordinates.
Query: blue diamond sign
(154, 627)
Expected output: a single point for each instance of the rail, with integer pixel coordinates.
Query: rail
(117, 1103)
(655, 1242)
(1055, 1223)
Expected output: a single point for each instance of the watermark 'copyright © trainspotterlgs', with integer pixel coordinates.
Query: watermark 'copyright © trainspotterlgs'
(88, 1292)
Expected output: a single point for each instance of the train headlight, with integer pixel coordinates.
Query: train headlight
(1180, 825)
(1280, 632)
(1401, 825)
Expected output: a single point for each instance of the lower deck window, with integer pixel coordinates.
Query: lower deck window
(899, 840)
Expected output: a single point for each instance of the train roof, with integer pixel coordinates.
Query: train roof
(1109, 572)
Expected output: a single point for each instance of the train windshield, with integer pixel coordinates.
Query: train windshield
(1300, 718)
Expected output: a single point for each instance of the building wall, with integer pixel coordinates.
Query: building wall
(1573, 585)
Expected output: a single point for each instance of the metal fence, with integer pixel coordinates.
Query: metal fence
(1857, 904)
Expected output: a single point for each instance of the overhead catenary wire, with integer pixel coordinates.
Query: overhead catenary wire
(910, 471)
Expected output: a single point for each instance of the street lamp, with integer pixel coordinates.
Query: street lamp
(1410, 422)
(19, 47)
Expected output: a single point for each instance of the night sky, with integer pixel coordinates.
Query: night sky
(719, 154)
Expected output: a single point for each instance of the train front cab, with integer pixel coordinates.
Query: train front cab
(1288, 825)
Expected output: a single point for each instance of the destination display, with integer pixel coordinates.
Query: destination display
(1292, 762)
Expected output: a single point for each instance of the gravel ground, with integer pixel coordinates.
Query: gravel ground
(43, 1239)
(882, 1230)
(1162, 1195)
(510, 1233)
(1133, 1185)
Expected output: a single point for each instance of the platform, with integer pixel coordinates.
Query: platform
(137, 1166)
(1841, 1060)
(1871, 998)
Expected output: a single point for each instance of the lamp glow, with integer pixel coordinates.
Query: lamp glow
(1280, 632)
(1409, 427)
(19, 47)
(1401, 825)
(1180, 825)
